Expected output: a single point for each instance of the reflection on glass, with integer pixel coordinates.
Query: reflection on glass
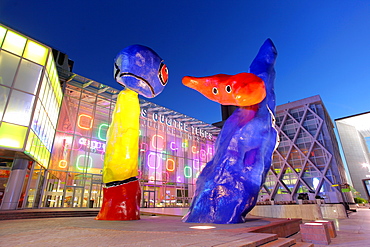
(28, 77)
(12, 136)
(36, 52)
(14, 43)
(4, 92)
(19, 108)
(8, 67)
(2, 34)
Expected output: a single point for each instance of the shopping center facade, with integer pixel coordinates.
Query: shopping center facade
(53, 134)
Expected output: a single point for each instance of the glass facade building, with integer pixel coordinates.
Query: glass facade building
(354, 134)
(173, 149)
(30, 99)
(307, 159)
(52, 141)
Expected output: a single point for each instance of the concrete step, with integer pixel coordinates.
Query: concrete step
(24, 214)
(253, 240)
(301, 244)
(280, 242)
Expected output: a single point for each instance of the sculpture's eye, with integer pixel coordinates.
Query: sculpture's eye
(215, 90)
(228, 89)
(163, 74)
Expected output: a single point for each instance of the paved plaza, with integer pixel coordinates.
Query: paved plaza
(156, 230)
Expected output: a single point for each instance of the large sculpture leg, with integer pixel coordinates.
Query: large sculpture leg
(121, 195)
(121, 202)
(228, 186)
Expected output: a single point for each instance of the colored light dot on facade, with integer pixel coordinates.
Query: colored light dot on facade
(85, 122)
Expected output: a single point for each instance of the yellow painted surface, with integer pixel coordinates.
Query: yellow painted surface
(121, 154)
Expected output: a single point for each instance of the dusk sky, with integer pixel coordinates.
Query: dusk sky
(323, 46)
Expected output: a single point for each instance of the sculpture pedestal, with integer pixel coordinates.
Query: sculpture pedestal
(315, 233)
(121, 202)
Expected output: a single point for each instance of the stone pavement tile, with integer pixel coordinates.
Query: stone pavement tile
(152, 231)
(89, 232)
(353, 231)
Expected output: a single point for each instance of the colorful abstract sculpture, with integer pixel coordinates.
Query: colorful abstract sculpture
(228, 186)
(141, 71)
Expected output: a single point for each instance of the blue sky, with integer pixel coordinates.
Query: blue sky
(323, 46)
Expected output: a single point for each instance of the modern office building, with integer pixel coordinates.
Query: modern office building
(53, 126)
(307, 159)
(354, 135)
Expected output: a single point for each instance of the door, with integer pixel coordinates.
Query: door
(148, 199)
(74, 197)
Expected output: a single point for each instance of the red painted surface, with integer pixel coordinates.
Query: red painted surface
(121, 202)
(243, 89)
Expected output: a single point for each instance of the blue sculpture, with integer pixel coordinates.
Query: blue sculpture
(140, 69)
(228, 186)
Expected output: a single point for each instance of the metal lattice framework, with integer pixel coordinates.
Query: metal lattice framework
(304, 161)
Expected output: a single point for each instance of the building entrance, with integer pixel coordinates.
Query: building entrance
(148, 199)
(72, 189)
(74, 197)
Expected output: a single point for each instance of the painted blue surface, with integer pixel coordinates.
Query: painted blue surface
(140, 69)
(228, 186)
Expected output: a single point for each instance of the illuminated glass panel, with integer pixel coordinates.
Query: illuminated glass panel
(14, 43)
(4, 93)
(54, 80)
(85, 121)
(84, 162)
(12, 136)
(188, 171)
(170, 165)
(35, 52)
(37, 150)
(47, 94)
(29, 142)
(8, 67)
(102, 132)
(19, 108)
(2, 34)
(28, 76)
(157, 142)
(62, 164)
(35, 125)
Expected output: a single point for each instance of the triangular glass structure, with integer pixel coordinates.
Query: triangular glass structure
(296, 159)
(311, 176)
(281, 189)
(328, 187)
(283, 150)
(289, 178)
(279, 120)
(264, 191)
(297, 114)
(290, 127)
(302, 188)
(330, 176)
(277, 163)
(270, 181)
(311, 123)
(319, 157)
(304, 141)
